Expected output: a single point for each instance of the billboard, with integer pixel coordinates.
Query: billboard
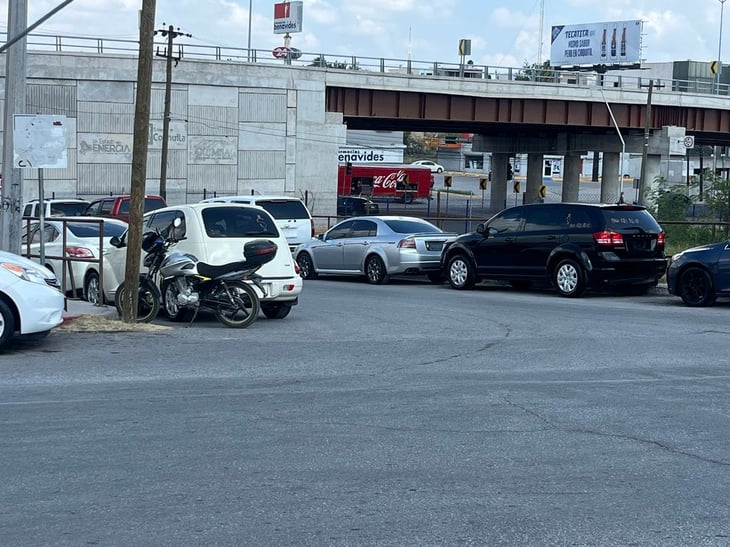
(287, 17)
(596, 43)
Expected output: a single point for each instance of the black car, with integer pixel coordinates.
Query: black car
(701, 274)
(353, 206)
(572, 246)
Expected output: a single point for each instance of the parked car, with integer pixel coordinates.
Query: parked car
(572, 246)
(291, 214)
(353, 206)
(376, 247)
(701, 274)
(215, 233)
(30, 298)
(82, 242)
(435, 167)
(118, 206)
(69, 207)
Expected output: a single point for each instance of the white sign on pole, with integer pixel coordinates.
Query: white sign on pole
(689, 141)
(39, 142)
(288, 17)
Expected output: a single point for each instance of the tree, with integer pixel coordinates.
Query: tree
(535, 72)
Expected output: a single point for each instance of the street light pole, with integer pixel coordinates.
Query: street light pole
(623, 148)
(719, 49)
(248, 51)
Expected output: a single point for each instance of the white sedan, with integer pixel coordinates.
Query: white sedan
(435, 167)
(30, 299)
(81, 252)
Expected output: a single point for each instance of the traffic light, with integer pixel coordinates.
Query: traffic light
(510, 175)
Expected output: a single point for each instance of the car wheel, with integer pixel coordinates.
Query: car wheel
(461, 273)
(275, 310)
(375, 270)
(695, 287)
(436, 277)
(439, 170)
(91, 288)
(7, 324)
(306, 266)
(568, 278)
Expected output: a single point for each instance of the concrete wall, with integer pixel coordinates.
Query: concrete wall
(235, 128)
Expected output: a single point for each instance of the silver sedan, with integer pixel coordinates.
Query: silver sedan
(376, 247)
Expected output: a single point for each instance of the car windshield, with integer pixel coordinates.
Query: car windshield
(412, 227)
(91, 229)
(238, 222)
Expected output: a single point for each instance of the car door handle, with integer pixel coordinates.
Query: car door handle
(550, 237)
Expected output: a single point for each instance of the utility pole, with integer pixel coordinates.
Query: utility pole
(645, 149)
(170, 33)
(12, 181)
(139, 160)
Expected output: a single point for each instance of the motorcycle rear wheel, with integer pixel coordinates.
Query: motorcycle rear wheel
(148, 302)
(244, 309)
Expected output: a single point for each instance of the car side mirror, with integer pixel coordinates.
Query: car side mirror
(481, 228)
(320, 236)
(116, 242)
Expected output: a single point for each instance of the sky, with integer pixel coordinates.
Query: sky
(502, 33)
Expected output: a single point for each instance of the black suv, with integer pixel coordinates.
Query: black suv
(572, 246)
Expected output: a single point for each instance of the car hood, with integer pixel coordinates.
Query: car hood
(702, 250)
(26, 263)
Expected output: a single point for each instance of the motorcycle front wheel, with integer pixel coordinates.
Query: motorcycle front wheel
(148, 301)
(242, 310)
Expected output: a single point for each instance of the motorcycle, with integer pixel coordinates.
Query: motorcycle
(148, 296)
(189, 285)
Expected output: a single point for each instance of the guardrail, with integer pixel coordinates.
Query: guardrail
(385, 65)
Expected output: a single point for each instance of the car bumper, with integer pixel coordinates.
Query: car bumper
(628, 272)
(282, 290)
(417, 264)
(40, 310)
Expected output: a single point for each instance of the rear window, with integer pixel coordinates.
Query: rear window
(68, 209)
(222, 222)
(618, 219)
(412, 227)
(91, 229)
(285, 209)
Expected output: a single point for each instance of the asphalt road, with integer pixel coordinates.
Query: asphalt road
(404, 414)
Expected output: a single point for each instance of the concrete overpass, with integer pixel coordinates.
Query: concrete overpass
(240, 124)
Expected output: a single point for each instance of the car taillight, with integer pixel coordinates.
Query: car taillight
(660, 239)
(79, 252)
(609, 238)
(406, 244)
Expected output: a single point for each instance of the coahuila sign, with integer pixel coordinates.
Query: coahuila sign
(177, 138)
(355, 154)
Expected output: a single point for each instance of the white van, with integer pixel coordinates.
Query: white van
(291, 215)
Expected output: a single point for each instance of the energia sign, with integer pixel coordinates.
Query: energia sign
(596, 43)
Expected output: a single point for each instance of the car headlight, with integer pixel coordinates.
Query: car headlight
(676, 257)
(28, 274)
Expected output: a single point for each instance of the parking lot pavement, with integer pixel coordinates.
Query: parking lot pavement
(77, 307)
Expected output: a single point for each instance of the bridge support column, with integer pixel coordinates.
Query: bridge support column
(535, 164)
(653, 171)
(498, 186)
(609, 178)
(571, 177)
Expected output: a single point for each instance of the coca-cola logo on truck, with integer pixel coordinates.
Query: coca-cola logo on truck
(391, 180)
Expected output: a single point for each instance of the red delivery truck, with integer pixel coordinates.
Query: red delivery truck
(403, 182)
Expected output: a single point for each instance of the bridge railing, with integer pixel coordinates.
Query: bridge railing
(393, 66)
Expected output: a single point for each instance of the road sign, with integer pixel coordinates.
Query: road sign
(689, 141)
(281, 52)
(39, 141)
(516, 187)
(542, 191)
(295, 53)
(482, 183)
(713, 67)
(447, 181)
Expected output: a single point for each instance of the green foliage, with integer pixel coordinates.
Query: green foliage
(321, 61)
(414, 146)
(535, 72)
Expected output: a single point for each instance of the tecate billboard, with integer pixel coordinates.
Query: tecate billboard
(596, 43)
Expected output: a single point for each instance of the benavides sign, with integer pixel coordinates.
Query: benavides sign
(358, 154)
